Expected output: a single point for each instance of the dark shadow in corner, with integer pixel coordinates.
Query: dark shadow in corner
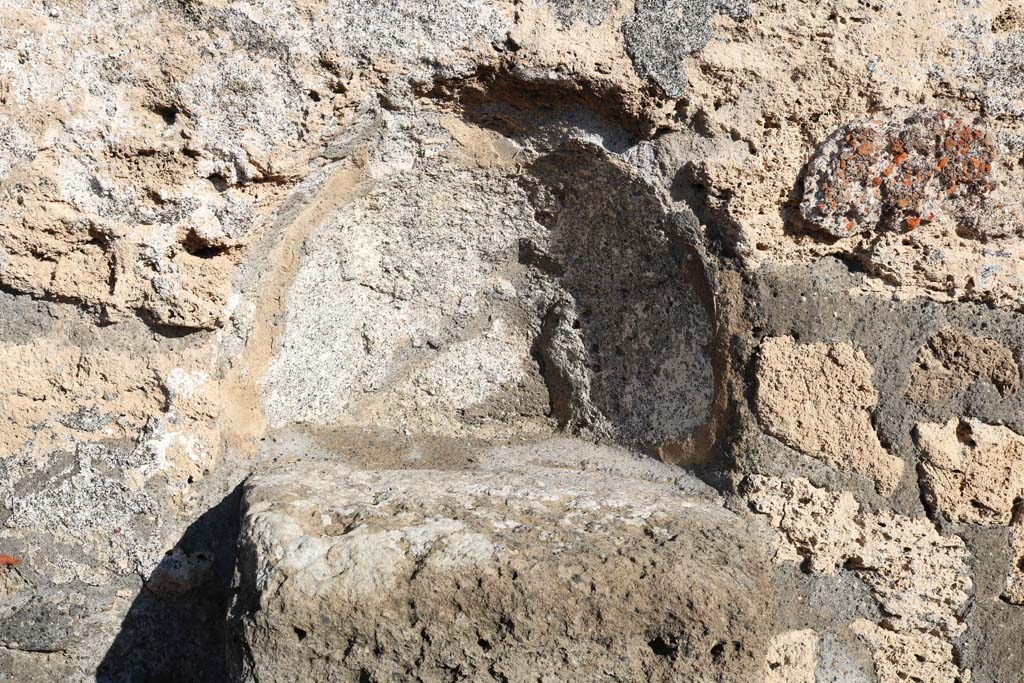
(643, 305)
(506, 101)
(691, 185)
(179, 638)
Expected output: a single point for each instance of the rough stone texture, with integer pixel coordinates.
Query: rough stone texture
(894, 174)
(972, 472)
(823, 303)
(953, 360)
(473, 222)
(592, 12)
(915, 656)
(817, 398)
(1014, 592)
(662, 33)
(535, 559)
(635, 294)
(819, 525)
(743, 161)
(391, 322)
(793, 658)
(387, 309)
(929, 585)
(920, 579)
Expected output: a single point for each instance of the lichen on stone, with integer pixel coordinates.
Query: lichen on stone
(895, 172)
(437, 279)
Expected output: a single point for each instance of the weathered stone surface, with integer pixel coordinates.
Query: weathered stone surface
(927, 170)
(386, 306)
(484, 220)
(895, 173)
(919, 578)
(592, 12)
(820, 525)
(389, 321)
(972, 472)
(534, 559)
(817, 398)
(793, 658)
(635, 292)
(912, 656)
(1014, 592)
(662, 33)
(952, 360)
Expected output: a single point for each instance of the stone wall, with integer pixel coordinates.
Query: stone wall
(281, 276)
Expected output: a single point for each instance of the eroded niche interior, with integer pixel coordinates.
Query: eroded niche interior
(572, 298)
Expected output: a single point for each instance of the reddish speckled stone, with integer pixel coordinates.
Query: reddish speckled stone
(894, 172)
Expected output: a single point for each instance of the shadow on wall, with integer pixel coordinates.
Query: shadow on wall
(627, 350)
(542, 110)
(627, 329)
(628, 347)
(175, 628)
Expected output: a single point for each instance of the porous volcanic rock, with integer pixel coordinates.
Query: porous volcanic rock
(818, 398)
(528, 560)
(972, 472)
(778, 246)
